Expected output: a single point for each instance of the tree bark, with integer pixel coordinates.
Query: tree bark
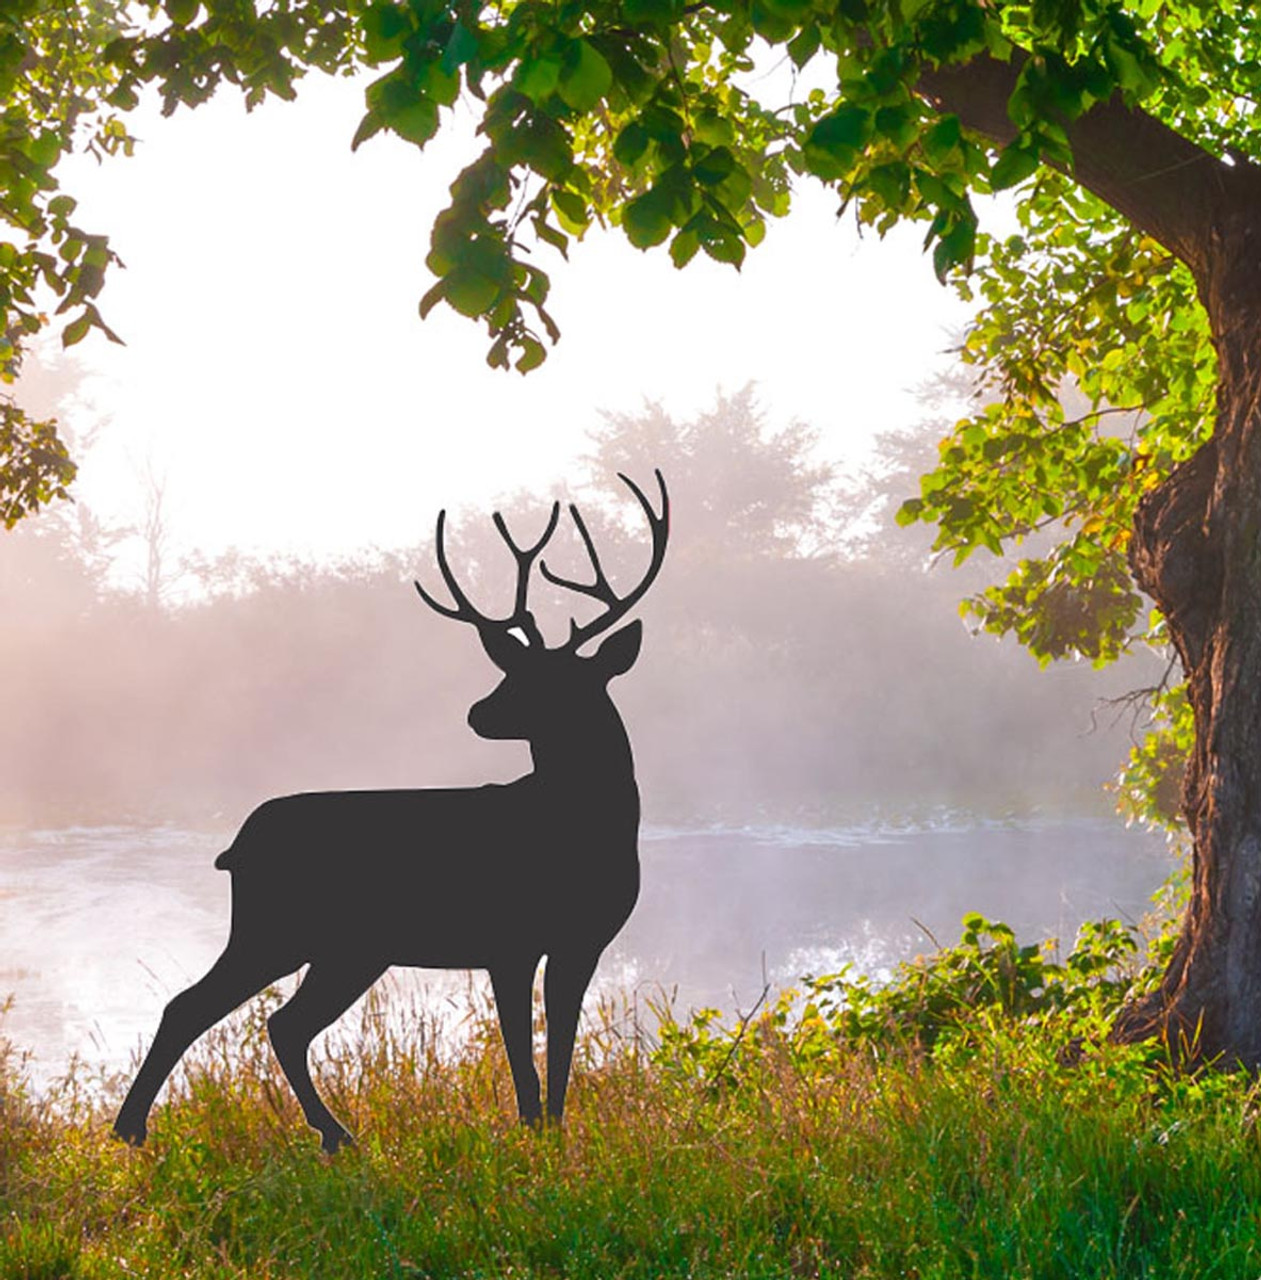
(1162, 182)
(1196, 546)
(1196, 551)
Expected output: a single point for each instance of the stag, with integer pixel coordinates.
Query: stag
(492, 877)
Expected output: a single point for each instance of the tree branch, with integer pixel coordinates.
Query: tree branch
(1165, 184)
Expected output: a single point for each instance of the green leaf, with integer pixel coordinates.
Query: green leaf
(385, 26)
(892, 183)
(630, 144)
(942, 139)
(470, 292)
(532, 284)
(899, 124)
(439, 85)
(44, 148)
(538, 77)
(666, 128)
(639, 12)
(572, 208)
(646, 219)
(552, 235)
(804, 45)
(935, 190)
(369, 126)
(724, 247)
(714, 166)
(544, 146)
(1132, 69)
(432, 297)
(683, 247)
(181, 12)
(76, 330)
(553, 329)
(909, 512)
(713, 129)
(1016, 163)
(955, 248)
(735, 189)
(772, 22)
(533, 353)
(417, 122)
(461, 47)
(585, 78)
(833, 144)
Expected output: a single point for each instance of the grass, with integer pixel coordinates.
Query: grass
(772, 1149)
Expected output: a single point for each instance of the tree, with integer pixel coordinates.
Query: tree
(155, 532)
(754, 490)
(52, 84)
(1129, 132)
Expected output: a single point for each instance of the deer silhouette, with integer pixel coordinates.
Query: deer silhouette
(492, 877)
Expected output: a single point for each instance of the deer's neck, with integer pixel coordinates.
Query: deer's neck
(595, 761)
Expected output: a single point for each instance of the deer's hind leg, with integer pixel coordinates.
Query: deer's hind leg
(231, 980)
(328, 990)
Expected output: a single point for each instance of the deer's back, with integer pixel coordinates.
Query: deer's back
(311, 825)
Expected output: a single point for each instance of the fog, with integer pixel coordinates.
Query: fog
(800, 662)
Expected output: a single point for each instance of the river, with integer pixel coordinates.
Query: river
(102, 925)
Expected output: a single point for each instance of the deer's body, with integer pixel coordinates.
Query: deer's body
(495, 877)
(475, 874)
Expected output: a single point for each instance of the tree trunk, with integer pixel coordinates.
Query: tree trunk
(1197, 551)
(1196, 548)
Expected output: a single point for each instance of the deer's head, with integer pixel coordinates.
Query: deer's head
(546, 690)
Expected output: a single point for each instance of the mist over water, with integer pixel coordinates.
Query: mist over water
(104, 925)
(722, 912)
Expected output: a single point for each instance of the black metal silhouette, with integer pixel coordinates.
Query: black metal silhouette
(491, 877)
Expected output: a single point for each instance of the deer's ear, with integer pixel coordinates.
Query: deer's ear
(617, 654)
(503, 648)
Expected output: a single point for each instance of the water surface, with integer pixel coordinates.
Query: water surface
(100, 926)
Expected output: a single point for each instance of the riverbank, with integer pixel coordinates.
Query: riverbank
(896, 1135)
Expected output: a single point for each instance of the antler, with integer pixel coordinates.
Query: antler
(464, 610)
(601, 589)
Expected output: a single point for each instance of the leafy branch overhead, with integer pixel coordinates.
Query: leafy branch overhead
(640, 113)
(1079, 300)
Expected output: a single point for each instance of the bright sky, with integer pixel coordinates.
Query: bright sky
(278, 374)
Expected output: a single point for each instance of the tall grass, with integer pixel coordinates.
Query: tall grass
(782, 1145)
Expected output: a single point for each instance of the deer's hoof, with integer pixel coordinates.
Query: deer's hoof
(133, 1133)
(333, 1140)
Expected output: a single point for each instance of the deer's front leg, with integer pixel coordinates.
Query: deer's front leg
(513, 982)
(565, 982)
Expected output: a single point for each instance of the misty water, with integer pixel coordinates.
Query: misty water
(102, 925)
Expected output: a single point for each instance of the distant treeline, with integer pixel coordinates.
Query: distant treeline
(799, 663)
